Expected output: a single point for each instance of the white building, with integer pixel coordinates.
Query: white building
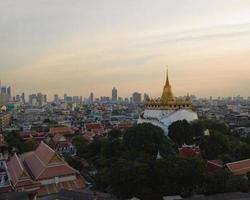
(167, 109)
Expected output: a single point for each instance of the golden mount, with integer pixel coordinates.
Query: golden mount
(168, 101)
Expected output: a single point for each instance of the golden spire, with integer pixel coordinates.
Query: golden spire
(167, 81)
(167, 94)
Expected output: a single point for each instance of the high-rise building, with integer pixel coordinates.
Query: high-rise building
(18, 99)
(56, 98)
(120, 99)
(145, 97)
(75, 99)
(105, 99)
(136, 98)
(23, 98)
(91, 97)
(45, 98)
(114, 94)
(65, 97)
(5, 94)
(40, 99)
(33, 100)
(3, 90)
(9, 92)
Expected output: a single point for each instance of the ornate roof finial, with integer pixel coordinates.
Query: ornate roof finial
(167, 81)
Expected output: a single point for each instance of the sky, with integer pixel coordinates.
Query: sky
(79, 46)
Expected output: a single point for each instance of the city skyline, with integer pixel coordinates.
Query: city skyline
(79, 47)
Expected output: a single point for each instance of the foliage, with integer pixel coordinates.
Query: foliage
(180, 133)
(127, 164)
(223, 181)
(81, 144)
(214, 145)
(149, 139)
(75, 163)
(15, 141)
(30, 145)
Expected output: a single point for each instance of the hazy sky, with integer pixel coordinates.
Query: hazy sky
(79, 46)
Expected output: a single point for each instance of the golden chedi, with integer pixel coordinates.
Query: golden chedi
(168, 101)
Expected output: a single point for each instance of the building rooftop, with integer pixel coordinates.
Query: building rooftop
(240, 167)
(44, 163)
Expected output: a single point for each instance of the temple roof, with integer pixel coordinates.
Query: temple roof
(168, 101)
(18, 173)
(61, 130)
(44, 163)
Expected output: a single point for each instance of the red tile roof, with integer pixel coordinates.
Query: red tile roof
(213, 165)
(55, 188)
(58, 137)
(189, 151)
(62, 130)
(91, 126)
(46, 163)
(124, 126)
(44, 153)
(241, 167)
(15, 169)
(55, 171)
(216, 162)
(18, 174)
(27, 134)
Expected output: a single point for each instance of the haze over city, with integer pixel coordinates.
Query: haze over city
(76, 47)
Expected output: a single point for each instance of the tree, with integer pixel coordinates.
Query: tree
(80, 144)
(177, 175)
(147, 138)
(127, 178)
(180, 132)
(30, 145)
(214, 145)
(75, 163)
(217, 126)
(223, 181)
(15, 141)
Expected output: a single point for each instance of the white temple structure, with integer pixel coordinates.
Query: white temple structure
(167, 109)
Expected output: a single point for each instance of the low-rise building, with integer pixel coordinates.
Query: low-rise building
(43, 172)
(5, 119)
(241, 167)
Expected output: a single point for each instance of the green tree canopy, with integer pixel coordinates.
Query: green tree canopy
(149, 139)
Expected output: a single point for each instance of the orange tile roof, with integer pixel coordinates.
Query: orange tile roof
(241, 167)
(90, 126)
(218, 163)
(58, 137)
(18, 174)
(15, 168)
(46, 163)
(55, 188)
(58, 170)
(62, 130)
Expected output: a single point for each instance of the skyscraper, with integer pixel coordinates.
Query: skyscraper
(40, 99)
(23, 97)
(5, 95)
(136, 97)
(3, 90)
(56, 98)
(114, 94)
(65, 97)
(91, 98)
(9, 92)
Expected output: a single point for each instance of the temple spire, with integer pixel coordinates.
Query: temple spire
(167, 81)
